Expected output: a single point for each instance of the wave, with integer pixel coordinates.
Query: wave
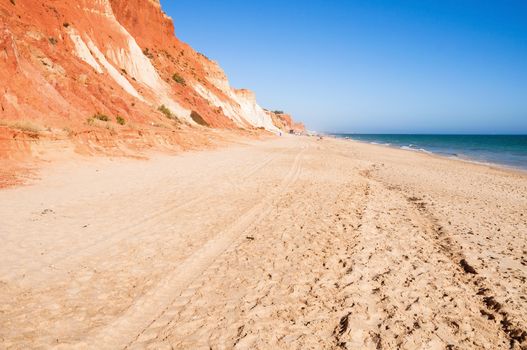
(501, 150)
(412, 148)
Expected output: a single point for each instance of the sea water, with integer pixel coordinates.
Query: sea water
(507, 150)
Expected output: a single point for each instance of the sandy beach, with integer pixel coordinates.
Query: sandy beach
(288, 243)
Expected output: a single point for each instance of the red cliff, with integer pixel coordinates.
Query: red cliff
(109, 72)
(286, 123)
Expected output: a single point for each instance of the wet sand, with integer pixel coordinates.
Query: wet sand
(289, 243)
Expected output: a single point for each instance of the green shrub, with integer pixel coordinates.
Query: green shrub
(120, 120)
(167, 112)
(101, 117)
(147, 53)
(24, 125)
(179, 79)
(198, 118)
(204, 56)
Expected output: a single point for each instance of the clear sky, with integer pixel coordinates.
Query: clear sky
(430, 66)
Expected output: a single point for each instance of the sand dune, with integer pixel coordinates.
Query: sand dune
(291, 243)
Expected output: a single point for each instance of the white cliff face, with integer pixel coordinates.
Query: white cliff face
(131, 58)
(252, 112)
(244, 111)
(228, 109)
(113, 72)
(91, 54)
(82, 51)
(125, 54)
(136, 64)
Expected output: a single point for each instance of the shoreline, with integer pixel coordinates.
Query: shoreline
(280, 243)
(436, 154)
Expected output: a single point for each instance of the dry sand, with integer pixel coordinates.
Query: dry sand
(292, 243)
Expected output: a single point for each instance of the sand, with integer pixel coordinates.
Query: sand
(290, 243)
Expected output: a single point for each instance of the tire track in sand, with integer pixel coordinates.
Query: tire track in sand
(491, 308)
(153, 305)
(135, 227)
(456, 320)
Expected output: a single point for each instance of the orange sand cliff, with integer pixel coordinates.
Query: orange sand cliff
(90, 76)
(286, 123)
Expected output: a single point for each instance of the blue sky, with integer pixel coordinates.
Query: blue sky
(427, 66)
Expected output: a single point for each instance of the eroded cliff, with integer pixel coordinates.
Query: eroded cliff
(110, 75)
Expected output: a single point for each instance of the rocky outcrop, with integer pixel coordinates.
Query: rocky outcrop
(286, 123)
(113, 68)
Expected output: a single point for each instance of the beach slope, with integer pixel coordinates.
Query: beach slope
(286, 243)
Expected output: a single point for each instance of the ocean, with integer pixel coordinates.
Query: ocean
(505, 150)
